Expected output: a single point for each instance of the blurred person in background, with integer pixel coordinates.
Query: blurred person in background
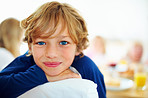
(132, 59)
(10, 39)
(135, 53)
(97, 51)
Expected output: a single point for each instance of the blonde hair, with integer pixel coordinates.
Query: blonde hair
(52, 14)
(10, 35)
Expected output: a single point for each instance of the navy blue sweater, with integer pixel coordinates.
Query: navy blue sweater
(23, 74)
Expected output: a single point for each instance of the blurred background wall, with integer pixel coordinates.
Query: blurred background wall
(119, 21)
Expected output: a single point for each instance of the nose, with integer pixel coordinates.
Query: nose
(51, 51)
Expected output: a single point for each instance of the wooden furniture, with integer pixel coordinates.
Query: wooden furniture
(129, 93)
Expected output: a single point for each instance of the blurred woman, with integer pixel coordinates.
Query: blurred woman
(97, 51)
(10, 39)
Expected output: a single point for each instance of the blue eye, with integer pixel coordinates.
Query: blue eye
(63, 43)
(41, 43)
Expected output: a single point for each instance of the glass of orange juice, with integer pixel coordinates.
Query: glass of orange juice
(140, 78)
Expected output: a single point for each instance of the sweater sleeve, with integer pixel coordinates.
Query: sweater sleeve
(20, 64)
(19, 77)
(88, 70)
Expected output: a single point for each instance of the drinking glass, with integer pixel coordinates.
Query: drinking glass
(140, 77)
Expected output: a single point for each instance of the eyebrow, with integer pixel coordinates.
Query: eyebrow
(60, 36)
(63, 36)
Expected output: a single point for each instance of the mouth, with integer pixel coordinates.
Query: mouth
(52, 64)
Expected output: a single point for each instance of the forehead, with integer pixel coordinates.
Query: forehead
(59, 31)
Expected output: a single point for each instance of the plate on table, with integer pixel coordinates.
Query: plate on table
(124, 84)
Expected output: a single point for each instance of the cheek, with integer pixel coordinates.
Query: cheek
(36, 53)
(69, 53)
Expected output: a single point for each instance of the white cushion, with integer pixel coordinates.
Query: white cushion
(69, 88)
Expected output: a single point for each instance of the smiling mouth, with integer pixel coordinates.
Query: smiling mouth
(52, 64)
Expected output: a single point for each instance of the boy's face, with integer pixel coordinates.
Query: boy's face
(136, 53)
(54, 54)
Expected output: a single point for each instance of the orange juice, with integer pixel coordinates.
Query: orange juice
(140, 80)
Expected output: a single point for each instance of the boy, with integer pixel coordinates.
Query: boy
(55, 34)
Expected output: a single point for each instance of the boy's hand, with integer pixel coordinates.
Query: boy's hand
(64, 75)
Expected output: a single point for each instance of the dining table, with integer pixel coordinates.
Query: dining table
(126, 89)
(128, 93)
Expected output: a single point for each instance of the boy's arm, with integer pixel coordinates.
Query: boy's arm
(20, 64)
(22, 75)
(62, 76)
(88, 70)
(14, 85)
